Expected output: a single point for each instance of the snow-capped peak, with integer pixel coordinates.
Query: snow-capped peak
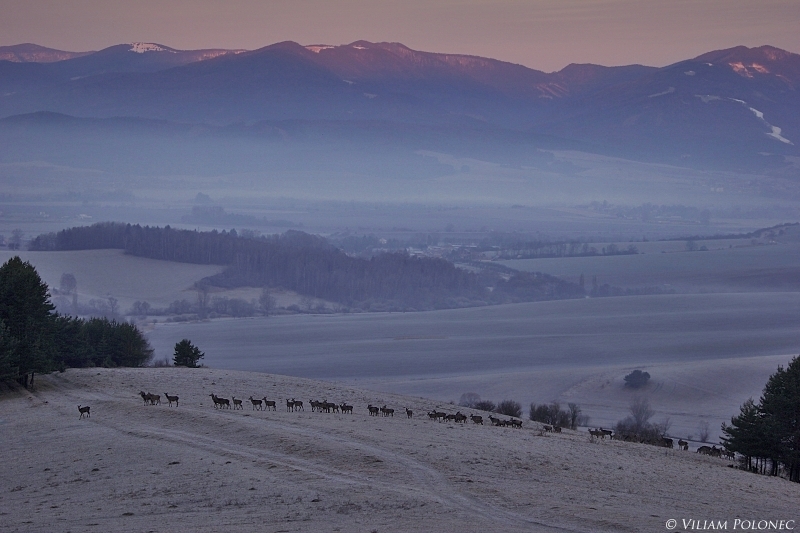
(745, 70)
(141, 48)
(317, 47)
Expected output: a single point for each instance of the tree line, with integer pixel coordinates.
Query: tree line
(35, 339)
(310, 266)
(767, 433)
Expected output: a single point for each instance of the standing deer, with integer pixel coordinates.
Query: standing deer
(237, 404)
(220, 402)
(171, 399)
(409, 413)
(255, 402)
(84, 411)
(269, 403)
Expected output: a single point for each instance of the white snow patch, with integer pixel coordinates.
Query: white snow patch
(776, 134)
(141, 48)
(668, 91)
(706, 98)
(317, 47)
(744, 70)
(740, 69)
(710, 64)
(360, 47)
(348, 82)
(370, 95)
(776, 131)
(690, 73)
(737, 100)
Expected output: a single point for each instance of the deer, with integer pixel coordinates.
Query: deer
(269, 403)
(220, 402)
(144, 396)
(373, 411)
(436, 415)
(557, 429)
(667, 442)
(346, 408)
(683, 445)
(387, 412)
(517, 423)
(409, 412)
(255, 402)
(84, 411)
(297, 404)
(477, 419)
(171, 399)
(290, 404)
(460, 417)
(237, 403)
(549, 429)
(495, 421)
(596, 433)
(729, 454)
(607, 433)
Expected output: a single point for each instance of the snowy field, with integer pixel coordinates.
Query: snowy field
(132, 467)
(706, 353)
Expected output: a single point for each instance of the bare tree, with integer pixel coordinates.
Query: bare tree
(574, 413)
(267, 302)
(203, 298)
(306, 303)
(68, 283)
(703, 431)
(663, 426)
(15, 242)
(113, 305)
(469, 399)
(641, 412)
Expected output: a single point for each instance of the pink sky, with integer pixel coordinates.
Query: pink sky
(543, 34)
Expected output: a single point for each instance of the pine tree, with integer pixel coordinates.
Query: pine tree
(745, 434)
(187, 354)
(27, 313)
(780, 407)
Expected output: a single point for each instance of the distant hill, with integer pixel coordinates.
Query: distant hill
(735, 109)
(33, 53)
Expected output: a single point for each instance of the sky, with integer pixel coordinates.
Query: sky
(542, 34)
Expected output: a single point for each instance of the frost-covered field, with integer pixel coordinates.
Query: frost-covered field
(193, 468)
(104, 273)
(706, 353)
(751, 268)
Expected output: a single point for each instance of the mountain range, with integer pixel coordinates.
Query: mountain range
(734, 109)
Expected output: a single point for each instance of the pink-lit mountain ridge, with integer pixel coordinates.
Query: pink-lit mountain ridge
(735, 108)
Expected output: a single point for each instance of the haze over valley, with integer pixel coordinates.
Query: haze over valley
(418, 226)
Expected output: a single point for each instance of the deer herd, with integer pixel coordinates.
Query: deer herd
(325, 406)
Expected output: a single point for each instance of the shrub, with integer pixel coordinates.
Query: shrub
(554, 415)
(485, 405)
(509, 408)
(637, 379)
